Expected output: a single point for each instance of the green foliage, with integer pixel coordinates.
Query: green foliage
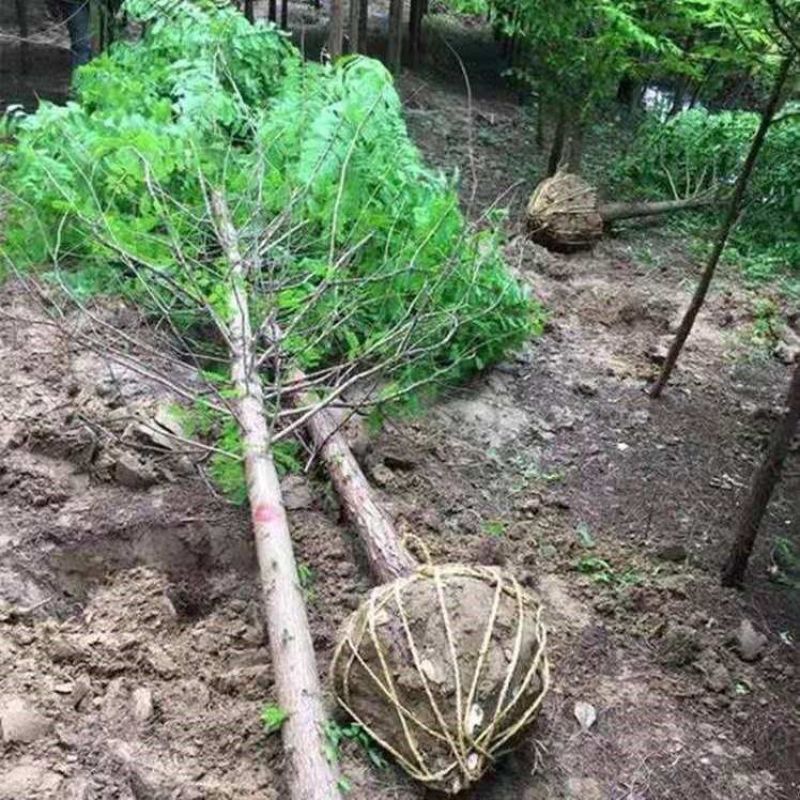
(335, 734)
(372, 250)
(495, 528)
(698, 147)
(273, 717)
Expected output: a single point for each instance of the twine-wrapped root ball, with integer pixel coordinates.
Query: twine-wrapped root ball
(563, 214)
(444, 668)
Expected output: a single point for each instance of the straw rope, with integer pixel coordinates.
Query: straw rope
(475, 742)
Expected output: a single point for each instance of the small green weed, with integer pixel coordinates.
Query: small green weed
(273, 717)
(335, 734)
(495, 527)
(603, 573)
(584, 534)
(307, 580)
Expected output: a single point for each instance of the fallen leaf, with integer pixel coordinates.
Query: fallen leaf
(586, 714)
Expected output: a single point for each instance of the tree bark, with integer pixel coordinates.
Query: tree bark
(363, 20)
(764, 481)
(614, 211)
(311, 776)
(353, 14)
(272, 11)
(285, 14)
(574, 148)
(22, 18)
(387, 558)
(415, 30)
(728, 223)
(394, 48)
(249, 11)
(335, 29)
(557, 148)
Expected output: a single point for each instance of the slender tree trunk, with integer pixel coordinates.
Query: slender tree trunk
(352, 26)
(764, 481)
(734, 209)
(24, 32)
(557, 148)
(386, 556)
(648, 208)
(335, 29)
(575, 149)
(272, 11)
(249, 10)
(394, 48)
(363, 21)
(311, 776)
(678, 99)
(285, 14)
(415, 30)
(22, 18)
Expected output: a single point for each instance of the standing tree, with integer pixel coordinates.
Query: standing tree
(783, 33)
(764, 481)
(394, 47)
(335, 29)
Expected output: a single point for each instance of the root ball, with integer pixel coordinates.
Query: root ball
(444, 668)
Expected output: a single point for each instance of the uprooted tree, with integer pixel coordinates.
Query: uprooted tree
(275, 217)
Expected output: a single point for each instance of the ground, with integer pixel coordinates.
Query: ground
(133, 658)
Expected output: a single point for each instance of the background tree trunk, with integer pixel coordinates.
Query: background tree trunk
(311, 776)
(734, 208)
(764, 481)
(272, 13)
(394, 49)
(415, 30)
(335, 29)
(557, 148)
(353, 14)
(285, 14)
(363, 21)
(648, 208)
(22, 18)
(249, 10)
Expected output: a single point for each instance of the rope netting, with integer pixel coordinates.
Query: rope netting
(444, 668)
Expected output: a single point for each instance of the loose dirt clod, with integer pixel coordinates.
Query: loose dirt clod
(444, 668)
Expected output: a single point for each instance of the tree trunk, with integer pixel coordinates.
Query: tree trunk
(678, 99)
(387, 558)
(557, 148)
(311, 776)
(249, 11)
(22, 18)
(353, 14)
(363, 20)
(335, 29)
(734, 208)
(285, 14)
(574, 149)
(415, 30)
(614, 211)
(764, 481)
(272, 12)
(394, 48)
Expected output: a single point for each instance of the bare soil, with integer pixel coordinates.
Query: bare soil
(132, 648)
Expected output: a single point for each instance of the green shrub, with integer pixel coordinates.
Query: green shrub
(698, 147)
(372, 246)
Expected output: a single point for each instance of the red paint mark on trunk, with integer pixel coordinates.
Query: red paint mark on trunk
(264, 513)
